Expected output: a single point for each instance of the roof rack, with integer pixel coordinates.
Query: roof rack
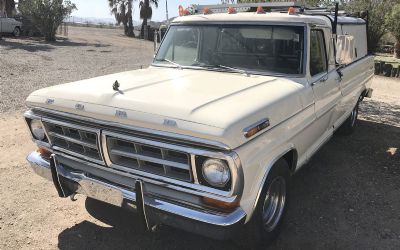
(245, 7)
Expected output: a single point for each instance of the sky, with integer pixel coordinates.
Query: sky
(100, 9)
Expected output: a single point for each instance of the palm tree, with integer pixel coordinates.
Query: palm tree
(146, 12)
(122, 10)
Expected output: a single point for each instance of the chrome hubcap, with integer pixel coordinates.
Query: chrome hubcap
(274, 203)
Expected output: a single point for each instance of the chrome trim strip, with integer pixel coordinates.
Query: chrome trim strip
(194, 170)
(150, 159)
(164, 145)
(104, 149)
(196, 141)
(69, 125)
(73, 140)
(78, 155)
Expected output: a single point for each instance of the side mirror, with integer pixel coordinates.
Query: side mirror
(345, 49)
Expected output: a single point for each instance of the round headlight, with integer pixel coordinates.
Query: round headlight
(216, 172)
(37, 130)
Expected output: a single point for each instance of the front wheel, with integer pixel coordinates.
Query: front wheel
(266, 221)
(17, 32)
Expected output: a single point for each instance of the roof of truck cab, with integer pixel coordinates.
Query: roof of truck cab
(268, 17)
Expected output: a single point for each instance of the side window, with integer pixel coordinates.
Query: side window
(318, 58)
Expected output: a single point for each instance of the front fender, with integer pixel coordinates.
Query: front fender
(256, 165)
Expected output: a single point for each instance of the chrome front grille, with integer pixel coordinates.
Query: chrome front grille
(162, 159)
(73, 139)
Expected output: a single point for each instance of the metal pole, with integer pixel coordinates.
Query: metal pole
(166, 8)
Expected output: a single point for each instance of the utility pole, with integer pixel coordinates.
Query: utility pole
(166, 8)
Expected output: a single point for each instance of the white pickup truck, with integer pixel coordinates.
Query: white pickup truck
(207, 138)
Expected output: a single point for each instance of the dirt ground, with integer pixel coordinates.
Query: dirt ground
(346, 197)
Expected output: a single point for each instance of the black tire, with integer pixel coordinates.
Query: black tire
(349, 126)
(257, 233)
(17, 32)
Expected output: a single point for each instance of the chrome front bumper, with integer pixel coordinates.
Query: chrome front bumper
(154, 209)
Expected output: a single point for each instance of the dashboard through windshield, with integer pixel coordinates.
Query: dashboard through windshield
(250, 48)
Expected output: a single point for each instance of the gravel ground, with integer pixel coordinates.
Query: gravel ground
(27, 65)
(346, 197)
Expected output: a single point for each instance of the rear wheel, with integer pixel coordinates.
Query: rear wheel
(17, 32)
(266, 221)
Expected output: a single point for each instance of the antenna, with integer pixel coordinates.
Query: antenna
(335, 22)
(166, 8)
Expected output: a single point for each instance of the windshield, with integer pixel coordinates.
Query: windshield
(271, 49)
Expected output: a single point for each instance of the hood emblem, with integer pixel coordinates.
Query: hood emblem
(170, 123)
(116, 86)
(79, 106)
(49, 101)
(121, 114)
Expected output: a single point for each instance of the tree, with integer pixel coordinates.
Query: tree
(46, 15)
(392, 22)
(122, 10)
(146, 12)
(377, 12)
(7, 7)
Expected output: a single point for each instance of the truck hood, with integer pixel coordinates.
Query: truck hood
(204, 104)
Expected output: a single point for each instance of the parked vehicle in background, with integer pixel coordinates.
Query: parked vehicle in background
(208, 137)
(10, 25)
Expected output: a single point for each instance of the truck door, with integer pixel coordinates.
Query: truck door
(324, 83)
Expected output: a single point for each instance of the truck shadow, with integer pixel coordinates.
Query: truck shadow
(345, 197)
(123, 231)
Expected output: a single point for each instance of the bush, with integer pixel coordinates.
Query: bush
(393, 24)
(46, 15)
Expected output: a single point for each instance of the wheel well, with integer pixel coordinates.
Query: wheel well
(363, 94)
(291, 159)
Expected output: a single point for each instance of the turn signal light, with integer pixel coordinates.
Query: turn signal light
(207, 11)
(231, 10)
(255, 128)
(44, 152)
(260, 10)
(226, 206)
(183, 11)
(292, 11)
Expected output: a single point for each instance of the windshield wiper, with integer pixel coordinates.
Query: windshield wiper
(171, 62)
(241, 71)
(234, 69)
